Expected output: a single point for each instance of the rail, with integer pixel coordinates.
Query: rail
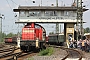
(71, 53)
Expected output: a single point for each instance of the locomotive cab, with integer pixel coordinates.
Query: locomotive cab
(33, 37)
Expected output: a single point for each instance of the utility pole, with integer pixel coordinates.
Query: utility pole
(57, 24)
(57, 3)
(1, 27)
(79, 17)
(41, 2)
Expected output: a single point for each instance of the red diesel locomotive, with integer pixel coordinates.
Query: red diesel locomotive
(33, 37)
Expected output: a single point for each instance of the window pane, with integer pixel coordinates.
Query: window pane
(34, 13)
(50, 13)
(22, 13)
(66, 13)
(62, 13)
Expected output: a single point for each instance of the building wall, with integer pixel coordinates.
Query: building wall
(42, 14)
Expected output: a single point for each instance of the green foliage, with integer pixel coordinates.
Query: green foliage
(11, 35)
(3, 35)
(51, 33)
(87, 30)
(47, 52)
(30, 59)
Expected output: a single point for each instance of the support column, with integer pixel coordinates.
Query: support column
(57, 27)
(69, 32)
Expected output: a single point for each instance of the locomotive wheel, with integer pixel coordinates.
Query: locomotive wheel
(25, 48)
(42, 46)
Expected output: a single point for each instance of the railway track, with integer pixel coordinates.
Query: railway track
(71, 53)
(7, 51)
(19, 55)
(12, 53)
(2, 45)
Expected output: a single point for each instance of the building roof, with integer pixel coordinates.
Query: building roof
(47, 8)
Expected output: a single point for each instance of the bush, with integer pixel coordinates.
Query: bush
(47, 52)
(30, 59)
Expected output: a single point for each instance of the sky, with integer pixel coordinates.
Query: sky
(8, 21)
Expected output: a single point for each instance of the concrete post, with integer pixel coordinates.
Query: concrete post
(0, 27)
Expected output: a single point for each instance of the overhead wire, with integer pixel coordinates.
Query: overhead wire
(13, 13)
(9, 4)
(26, 2)
(14, 2)
(88, 3)
(11, 7)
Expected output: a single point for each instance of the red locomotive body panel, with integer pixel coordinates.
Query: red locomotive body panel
(40, 34)
(37, 33)
(28, 34)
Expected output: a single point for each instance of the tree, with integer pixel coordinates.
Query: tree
(51, 33)
(11, 35)
(2, 36)
(87, 30)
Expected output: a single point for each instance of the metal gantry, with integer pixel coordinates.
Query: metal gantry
(79, 17)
